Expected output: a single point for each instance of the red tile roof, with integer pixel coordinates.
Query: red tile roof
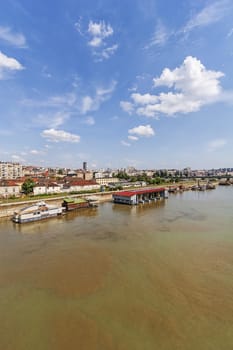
(8, 183)
(81, 182)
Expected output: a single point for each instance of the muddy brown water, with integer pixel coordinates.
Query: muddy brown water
(155, 276)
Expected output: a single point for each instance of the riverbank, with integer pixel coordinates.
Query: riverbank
(8, 209)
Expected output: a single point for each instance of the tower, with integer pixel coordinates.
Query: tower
(84, 166)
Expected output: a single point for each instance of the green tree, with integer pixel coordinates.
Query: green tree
(28, 186)
(122, 175)
(158, 180)
(133, 178)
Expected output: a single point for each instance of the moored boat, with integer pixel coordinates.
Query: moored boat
(37, 211)
(210, 186)
(75, 203)
(172, 189)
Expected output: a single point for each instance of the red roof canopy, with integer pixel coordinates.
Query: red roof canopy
(133, 192)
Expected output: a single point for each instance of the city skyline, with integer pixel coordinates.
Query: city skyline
(144, 84)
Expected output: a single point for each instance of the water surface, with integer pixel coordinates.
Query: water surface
(155, 276)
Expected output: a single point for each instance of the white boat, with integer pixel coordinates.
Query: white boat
(37, 211)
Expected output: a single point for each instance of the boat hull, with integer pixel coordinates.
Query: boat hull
(36, 213)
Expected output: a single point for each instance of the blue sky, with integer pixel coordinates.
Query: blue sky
(117, 83)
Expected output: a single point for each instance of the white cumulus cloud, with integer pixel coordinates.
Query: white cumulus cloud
(53, 135)
(144, 99)
(132, 138)
(99, 38)
(98, 32)
(127, 106)
(8, 64)
(191, 87)
(140, 131)
(192, 78)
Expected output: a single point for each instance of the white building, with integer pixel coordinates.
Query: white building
(10, 171)
(82, 185)
(9, 189)
(104, 181)
(46, 188)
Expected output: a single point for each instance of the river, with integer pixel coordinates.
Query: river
(116, 277)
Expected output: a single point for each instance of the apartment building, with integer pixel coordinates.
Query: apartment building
(104, 181)
(10, 171)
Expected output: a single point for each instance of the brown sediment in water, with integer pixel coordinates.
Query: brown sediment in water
(125, 279)
(71, 329)
(68, 274)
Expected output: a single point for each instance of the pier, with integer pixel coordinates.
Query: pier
(135, 197)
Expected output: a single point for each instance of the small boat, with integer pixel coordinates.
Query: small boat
(35, 212)
(93, 201)
(172, 189)
(224, 182)
(210, 186)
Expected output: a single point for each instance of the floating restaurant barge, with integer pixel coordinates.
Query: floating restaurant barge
(139, 196)
(75, 203)
(78, 203)
(35, 212)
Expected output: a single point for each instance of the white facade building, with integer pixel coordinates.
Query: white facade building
(9, 189)
(10, 171)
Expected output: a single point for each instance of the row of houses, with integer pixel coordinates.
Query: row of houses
(13, 188)
(65, 186)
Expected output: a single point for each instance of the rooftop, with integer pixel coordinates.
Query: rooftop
(137, 192)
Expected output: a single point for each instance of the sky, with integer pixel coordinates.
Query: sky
(142, 83)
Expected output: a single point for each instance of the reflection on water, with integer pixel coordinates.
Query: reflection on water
(154, 276)
(87, 212)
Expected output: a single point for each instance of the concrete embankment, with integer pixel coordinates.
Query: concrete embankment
(8, 209)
